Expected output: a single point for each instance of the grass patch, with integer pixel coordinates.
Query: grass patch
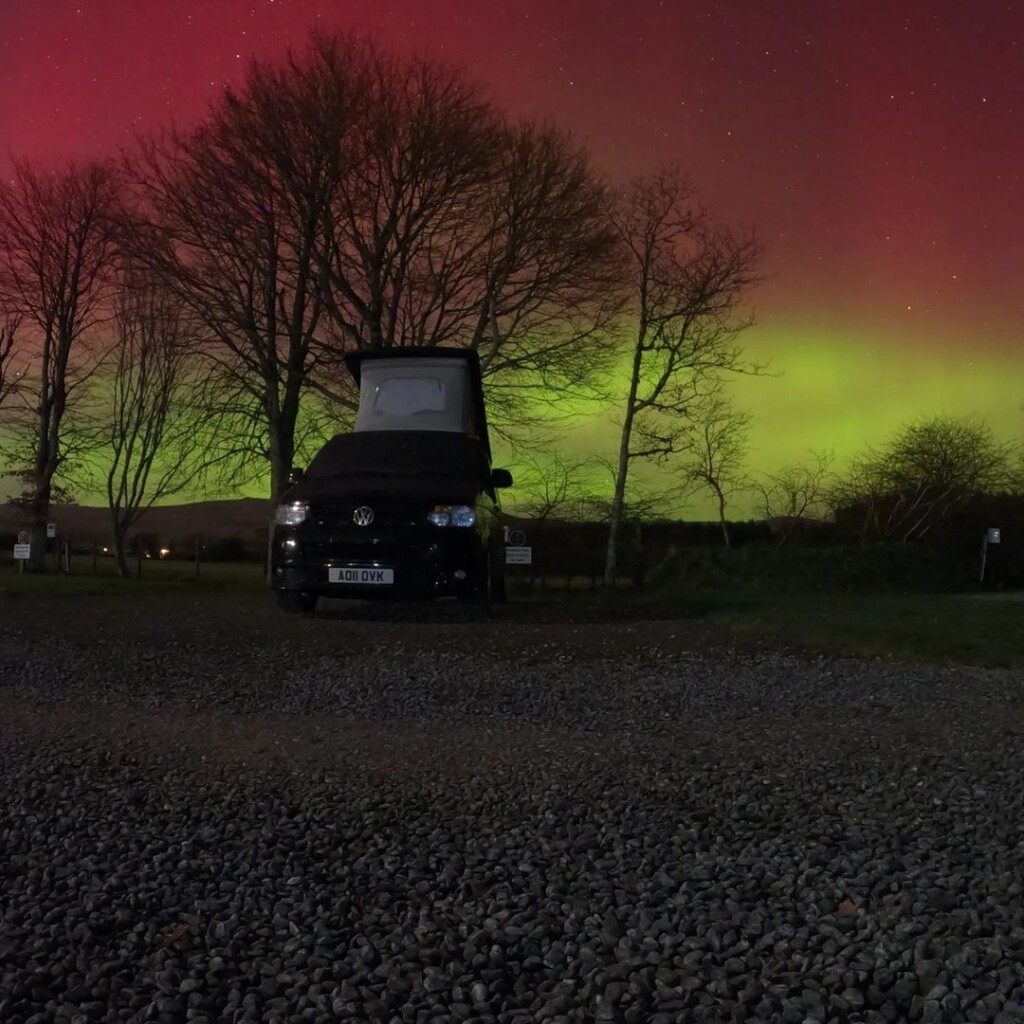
(942, 628)
(939, 628)
(158, 576)
(966, 629)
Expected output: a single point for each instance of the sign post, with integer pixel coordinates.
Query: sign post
(993, 538)
(22, 553)
(517, 552)
(22, 550)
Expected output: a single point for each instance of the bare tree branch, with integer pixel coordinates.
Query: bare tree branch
(56, 249)
(231, 218)
(718, 453)
(151, 430)
(795, 495)
(10, 357)
(457, 228)
(346, 198)
(687, 278)
(550, 490)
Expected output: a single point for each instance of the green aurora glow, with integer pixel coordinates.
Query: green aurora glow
(841, 391)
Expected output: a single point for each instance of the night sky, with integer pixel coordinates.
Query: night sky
(877, 148)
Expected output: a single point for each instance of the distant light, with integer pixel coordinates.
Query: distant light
(164, 552)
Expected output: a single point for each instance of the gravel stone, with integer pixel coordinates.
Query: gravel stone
(212, 813)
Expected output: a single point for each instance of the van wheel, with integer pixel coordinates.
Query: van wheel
(296, 602)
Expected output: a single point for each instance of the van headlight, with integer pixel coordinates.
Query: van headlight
(291, 513)
(452, 515)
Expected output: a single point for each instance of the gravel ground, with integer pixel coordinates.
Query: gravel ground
(212, 813)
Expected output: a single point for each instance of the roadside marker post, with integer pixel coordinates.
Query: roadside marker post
(22, 550)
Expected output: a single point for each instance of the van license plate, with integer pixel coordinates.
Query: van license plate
(371, 576)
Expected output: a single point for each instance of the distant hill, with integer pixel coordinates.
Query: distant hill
(246, 518)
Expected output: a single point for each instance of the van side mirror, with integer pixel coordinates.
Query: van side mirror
(295, 474)
(501, 478)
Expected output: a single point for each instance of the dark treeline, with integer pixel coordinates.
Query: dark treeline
(178, 316)
(175, 318)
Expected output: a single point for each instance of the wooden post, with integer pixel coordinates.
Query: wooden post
(138, 557)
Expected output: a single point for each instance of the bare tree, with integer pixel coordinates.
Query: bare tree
(686, 278)
(420, 166)
(552, 280)
(232, 214)
(56, 247)
(550, 489)
(9, 358)
(348, 199)
(654, 501)
(795, 495)
(901, 490)
(458, 228)
(718, 453)
(151, 430)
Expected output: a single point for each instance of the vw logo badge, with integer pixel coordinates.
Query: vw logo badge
(363, 516)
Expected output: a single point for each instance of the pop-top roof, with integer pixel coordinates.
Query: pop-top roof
(355, 361)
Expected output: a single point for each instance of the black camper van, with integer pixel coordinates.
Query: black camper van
(406, 506)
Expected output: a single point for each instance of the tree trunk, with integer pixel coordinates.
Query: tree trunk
(117, 539)
(281, 443)
(37, 540)
(281, 455)
(721, 516)
(278, 476)
(51, 410)
(120, 555)
(621, 470)
(40, 512)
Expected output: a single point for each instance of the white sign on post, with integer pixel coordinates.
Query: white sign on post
(22, 552)
(518, 556)
(51, 530)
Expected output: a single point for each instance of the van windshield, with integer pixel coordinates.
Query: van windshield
(401, 453)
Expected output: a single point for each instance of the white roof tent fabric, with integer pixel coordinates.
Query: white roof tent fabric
(420, 389)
